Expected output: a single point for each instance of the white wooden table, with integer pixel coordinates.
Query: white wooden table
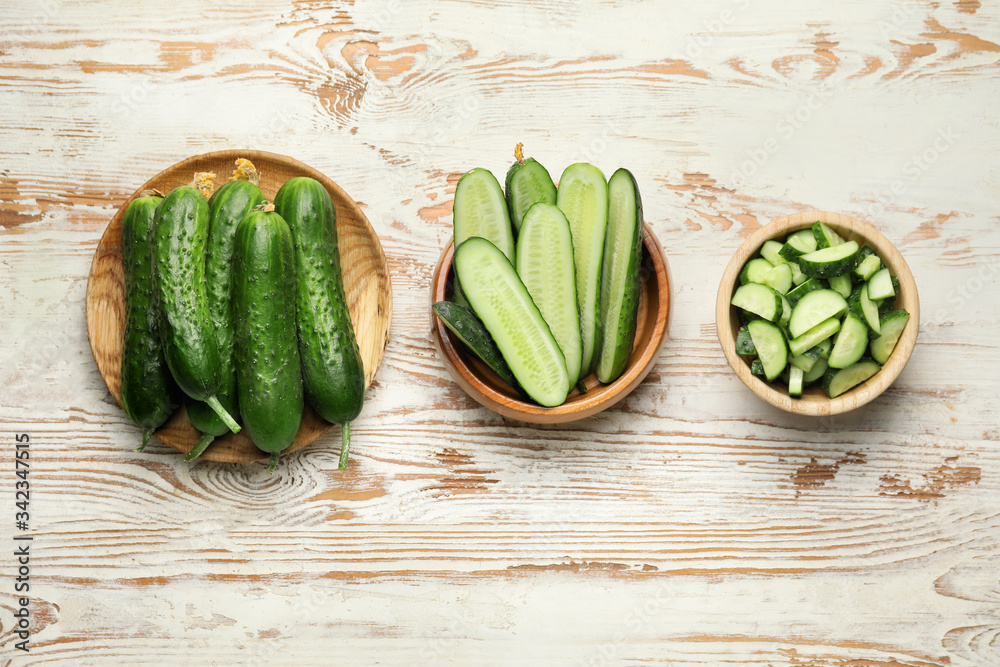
(690, 525)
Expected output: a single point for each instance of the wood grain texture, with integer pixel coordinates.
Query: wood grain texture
(490, 391)
(691, 524)
(813, 400)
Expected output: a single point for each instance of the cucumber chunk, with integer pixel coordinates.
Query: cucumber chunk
(824, 236)
(583, 199)
(837, 381)
(851, 342)
(755, 270)
(869, 311)
(809, 285)
(841, 284)
(545, 265)
(772, 350)
(813, 308)
(771, 251)
(744, 344)
(881, 286)
(502, 302)
(892, 325)
(779, 278)
(795, 381)
(758, 299)
(817, 372)
(868, 264)
(831, 261)
(814, 336)
(799, 243)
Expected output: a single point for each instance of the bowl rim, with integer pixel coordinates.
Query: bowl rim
(862, 393)
(468, 378)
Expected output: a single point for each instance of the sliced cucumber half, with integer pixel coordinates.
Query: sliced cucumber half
(545, 266)
(758, 299)
(837, 381)
(502, 302)
(815, 307)
(769, 341)
(481, 210)
(527, 184)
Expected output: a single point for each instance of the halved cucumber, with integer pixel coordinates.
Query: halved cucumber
(880, 286)
(583, 198)
(814, 336)
(501, 301)
(620, 279)
(527, 184)
(755, 270)
(830, 262)
(545, 265)
(837, 381)
(851, 342)
(813, 308)
(892, 325)
(772, 350)
(758, 299)
(470, 330)
(481, 210)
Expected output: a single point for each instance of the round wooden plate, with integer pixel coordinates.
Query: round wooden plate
(366, 282)
(490, 391)
(814, 401)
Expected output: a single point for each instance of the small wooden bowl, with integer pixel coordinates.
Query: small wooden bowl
(814, 401)
(366, 282)
(489, 390)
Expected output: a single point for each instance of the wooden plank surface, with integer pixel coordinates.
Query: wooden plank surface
(692, 524)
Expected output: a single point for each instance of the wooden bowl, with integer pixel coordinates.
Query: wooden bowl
(814, 401)
(366, 282)
(489, 390)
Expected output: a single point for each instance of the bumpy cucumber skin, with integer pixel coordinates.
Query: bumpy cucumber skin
(149, 393)
(518, 205)
(269, 375)
(619, 334)
(188, 337)
(332, 370)
(227, 207)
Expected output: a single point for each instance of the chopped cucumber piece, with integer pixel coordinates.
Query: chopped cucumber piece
(744, 344)
(771, 347)
(809, 285)
(824, 236)
(817, 371)
(795, 381)
(892, 326)
(841, 284)
(869, 311)
(837, 381)
(813, 308)
(755, 270)
(803, 361)
(779, 278)
(771, 251)
(797, 276)
(868, 264)
(880, 286)
(814, 336)
(799, 243)
(851, 342)
(758, 299)
(786, 312)
(756, 367)
(831, 261)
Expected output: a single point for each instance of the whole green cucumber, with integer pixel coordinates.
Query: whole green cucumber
(332, 371)
(269, 375)
(227, 207)
(187, 334)
(149, 393)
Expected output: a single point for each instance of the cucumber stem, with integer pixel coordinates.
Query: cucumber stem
(146, 435)
(202, 444)
(245, 171)
(519, 153)
(226, 418)
(345, 444)
(274, 463)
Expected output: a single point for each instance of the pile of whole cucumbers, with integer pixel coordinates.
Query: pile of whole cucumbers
(547, 279)
(237, 307)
